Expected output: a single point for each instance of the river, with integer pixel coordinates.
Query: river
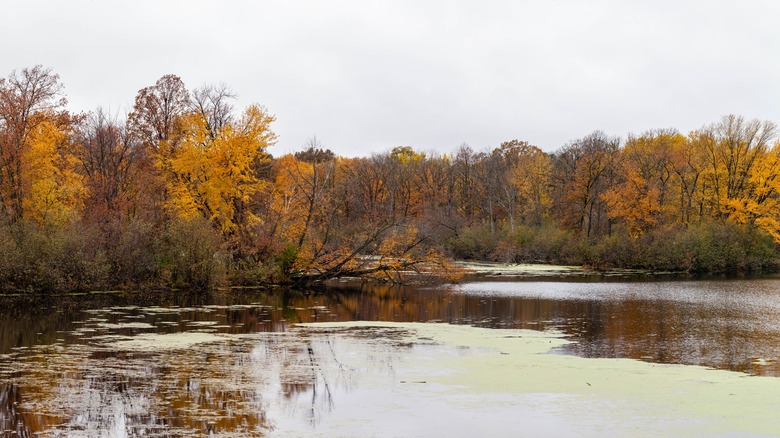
(235, 363)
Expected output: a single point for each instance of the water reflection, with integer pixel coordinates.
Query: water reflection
(726, 324)
(115, 386)
(230, 362)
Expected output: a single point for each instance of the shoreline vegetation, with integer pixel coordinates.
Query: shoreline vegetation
(182, 193)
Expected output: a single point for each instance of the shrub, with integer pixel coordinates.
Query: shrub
(135, 254)
(475, 242)
(53, 260)
(545, 244)
(191, 255)
(250, 273)
(707, 247)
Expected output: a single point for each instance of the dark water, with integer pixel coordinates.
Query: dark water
(725, 324)
(97, 366)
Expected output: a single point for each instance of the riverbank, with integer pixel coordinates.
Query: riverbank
(493, 270)
(184, 257)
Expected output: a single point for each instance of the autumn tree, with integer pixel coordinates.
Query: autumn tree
(530, 176)
(53, 189)
(486, 173)
(157, 109)
(200, 158)
(29, 98)
(520, 180)
(435, 186)
(641, 196)
(740, 172)
(303, 206)
(362, 190)
(402, 164)
(359, 218)
(155, 122)
(465, 185)
(689, 164)
(109, 154)
(582, 172)
(215, 173)
(762, 207)
(288, 203)
(314, 153)
(733, 146)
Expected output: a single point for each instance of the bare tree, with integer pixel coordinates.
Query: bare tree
(108, 155)
(213, 103)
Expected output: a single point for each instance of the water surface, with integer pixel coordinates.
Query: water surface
(172, 364)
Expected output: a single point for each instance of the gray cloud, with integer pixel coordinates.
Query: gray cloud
(366, 76)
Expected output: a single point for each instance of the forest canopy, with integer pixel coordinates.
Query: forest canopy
(182, 192)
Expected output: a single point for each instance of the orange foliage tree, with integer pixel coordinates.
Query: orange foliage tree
(641, 197)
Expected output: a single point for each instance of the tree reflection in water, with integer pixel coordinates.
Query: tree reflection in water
(235, 386)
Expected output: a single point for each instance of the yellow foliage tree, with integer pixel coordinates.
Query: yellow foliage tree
(53, 189)
(761, 204)
(215, 174)
(733, 147)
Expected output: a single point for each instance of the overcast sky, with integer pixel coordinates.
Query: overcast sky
(365, 76)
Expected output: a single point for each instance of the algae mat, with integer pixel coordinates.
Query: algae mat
(467, 381)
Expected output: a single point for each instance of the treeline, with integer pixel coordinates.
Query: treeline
(182, 192)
